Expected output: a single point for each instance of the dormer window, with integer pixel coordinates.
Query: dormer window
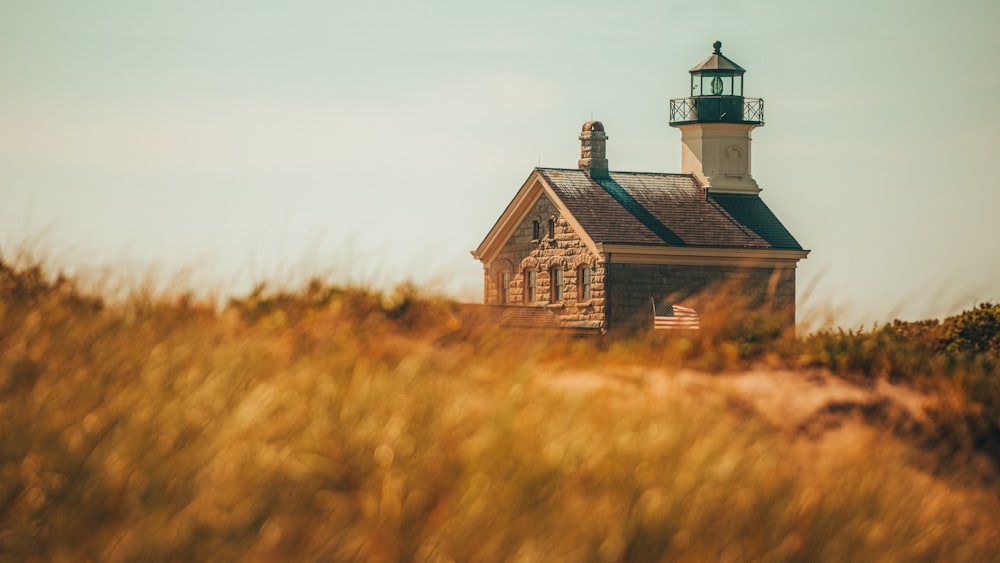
(552, 228)
(536, 230)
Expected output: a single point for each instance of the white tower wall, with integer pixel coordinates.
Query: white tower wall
(718, 154)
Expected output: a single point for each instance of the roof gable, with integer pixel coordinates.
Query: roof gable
(533, 188)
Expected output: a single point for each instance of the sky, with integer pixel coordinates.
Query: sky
(222, 143)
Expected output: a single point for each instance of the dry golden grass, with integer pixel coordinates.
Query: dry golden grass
(344, 425)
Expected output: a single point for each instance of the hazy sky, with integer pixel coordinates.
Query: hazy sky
(379, 141)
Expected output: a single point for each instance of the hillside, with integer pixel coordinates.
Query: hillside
(335, 423)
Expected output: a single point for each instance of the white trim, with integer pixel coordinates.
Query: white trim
(508, 222)
(685, 256)
(529, 194)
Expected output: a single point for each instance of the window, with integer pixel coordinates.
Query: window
(552, 228)
(583, 283)
(556, 284)
(504, 287)
(530, 286)
(536, 230)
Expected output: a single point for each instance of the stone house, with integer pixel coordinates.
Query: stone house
(590, 246)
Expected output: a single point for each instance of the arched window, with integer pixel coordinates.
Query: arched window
(583, 283)
(552, 228)
(536, 230)
(503, 288)
(530, 286)
(556, 284)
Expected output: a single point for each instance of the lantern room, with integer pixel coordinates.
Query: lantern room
(717, 94)
(717, 76)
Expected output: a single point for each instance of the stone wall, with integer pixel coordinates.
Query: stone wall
(566, 250)
(704, 288)
(620, 293)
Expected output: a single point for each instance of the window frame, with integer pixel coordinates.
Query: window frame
(503, 288)
(584, 283)
(530, 286)
(556, 285)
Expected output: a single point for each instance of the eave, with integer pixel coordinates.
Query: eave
(701, 256)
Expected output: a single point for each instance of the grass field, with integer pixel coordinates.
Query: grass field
(341, 424)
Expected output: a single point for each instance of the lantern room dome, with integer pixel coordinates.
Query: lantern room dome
(718, 61)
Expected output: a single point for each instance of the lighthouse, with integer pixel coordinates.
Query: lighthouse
(618, 241)
(715, 123)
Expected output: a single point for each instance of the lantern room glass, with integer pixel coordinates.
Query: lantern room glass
(716, 84)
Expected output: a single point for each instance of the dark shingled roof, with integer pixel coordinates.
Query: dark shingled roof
(751, 211)
(666, 210)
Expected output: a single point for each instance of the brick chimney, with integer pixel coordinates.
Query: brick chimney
(593, 150)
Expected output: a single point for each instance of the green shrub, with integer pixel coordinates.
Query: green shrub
(973, 332)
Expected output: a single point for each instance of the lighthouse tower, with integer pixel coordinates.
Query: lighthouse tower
(715, 123)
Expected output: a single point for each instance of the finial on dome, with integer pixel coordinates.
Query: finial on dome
(718, 47)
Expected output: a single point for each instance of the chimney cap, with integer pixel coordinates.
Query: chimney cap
(593, 126)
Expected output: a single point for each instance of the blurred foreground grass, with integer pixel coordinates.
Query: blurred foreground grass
(340, 424)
